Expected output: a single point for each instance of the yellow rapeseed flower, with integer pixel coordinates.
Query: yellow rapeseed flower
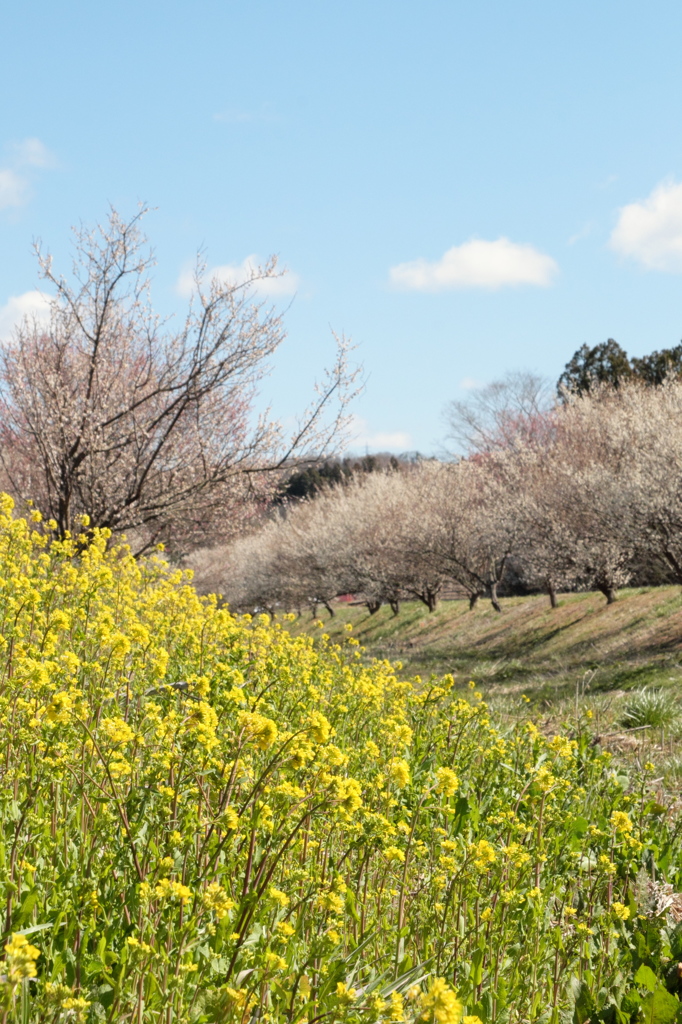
(440, 1004)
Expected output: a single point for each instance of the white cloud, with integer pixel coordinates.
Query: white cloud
(286, 282)
(25, 156)
(469, 383)
(31, 304)
(477, 264)
(32, 153)
(382, 441)
(13, 188)
(650, 231)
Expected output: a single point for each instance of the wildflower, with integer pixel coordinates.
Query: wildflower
(399, 772)
(170, 890)
(620, 822)
(59, 708)
(239, 997)
(441, 1004)
(216, 899)
(78, 1005)
(135, 943)
(484, 854)
(319, 727)
(330, 902)
(344, 994)
(257, 727)
(544, 778)
(285, 929)
(275, 962)
(486, 914)
(471, 1018)
(563, 746)
(229, 819)
(394, 853)
(119, 767)
(348, 794)
(278, 896)
(621, 911)
(446, 781)
(21, 959)
(516, 854)
(607, 864)
(396, 1011)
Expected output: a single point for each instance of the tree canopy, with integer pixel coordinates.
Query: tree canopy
(609, 363)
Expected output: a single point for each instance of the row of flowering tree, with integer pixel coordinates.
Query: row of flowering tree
(590, 500)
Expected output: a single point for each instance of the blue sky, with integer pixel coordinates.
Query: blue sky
(462, 188)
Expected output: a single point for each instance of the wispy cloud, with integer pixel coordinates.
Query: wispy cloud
(13, 188)
(381, 441)
(15, 176)
(285, 283)
(477, 264)
(584, 232)
(469, 383)
(32, 304)
(31, 153)
(650, 231)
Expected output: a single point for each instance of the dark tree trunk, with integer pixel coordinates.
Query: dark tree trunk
(552, 596)
(329, 608)
(394, 606)
(609, 593)
(473, 600)
(373, 607)
(494, 599)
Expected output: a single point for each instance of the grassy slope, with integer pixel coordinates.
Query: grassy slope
(530, 647)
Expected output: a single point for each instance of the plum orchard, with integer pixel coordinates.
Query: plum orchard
(206, 819)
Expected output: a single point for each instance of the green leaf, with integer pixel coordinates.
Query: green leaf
(477, 967)
(28, 905)
(660, 1007)
(584, 1005)
(646, 977)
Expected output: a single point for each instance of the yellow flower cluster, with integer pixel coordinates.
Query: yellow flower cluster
(206, 816)
(20, 959)
(440, 1004)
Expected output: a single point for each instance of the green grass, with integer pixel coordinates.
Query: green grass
(529, 648)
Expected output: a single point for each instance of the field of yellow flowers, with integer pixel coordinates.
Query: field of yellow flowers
(205, 819)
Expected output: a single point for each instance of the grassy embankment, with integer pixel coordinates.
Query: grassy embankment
(529, 648)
